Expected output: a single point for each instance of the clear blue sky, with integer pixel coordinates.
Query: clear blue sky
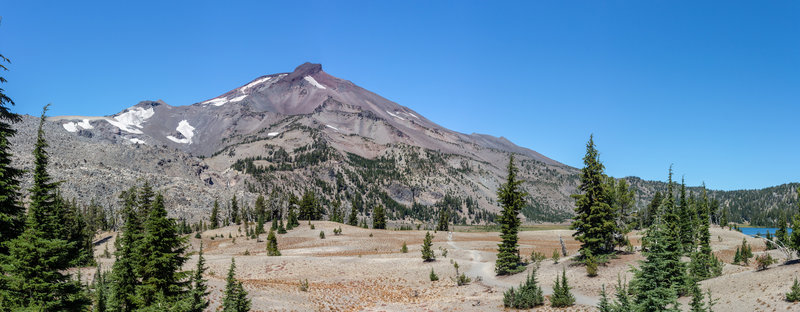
(712, 87)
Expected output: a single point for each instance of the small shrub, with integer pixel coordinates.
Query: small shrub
(591, 265)
(304, 285)
(527, 296)
(461, 279)
(337, 231)
(312, 227)
(764, 261)
(370, 234)
(556, 256)
(427, 253)
(433, 276)
(443, 251)
(794, 294)
(106, 254)
(562, 297)
(322, 234)
(246, 252)
(537, 257)
(404, 249)
(197, 235)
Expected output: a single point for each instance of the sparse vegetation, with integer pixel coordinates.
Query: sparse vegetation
(433, 276)
(562, 296)
(427, 252)
(527, 296)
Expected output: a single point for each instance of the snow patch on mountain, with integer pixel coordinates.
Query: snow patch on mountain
(137, 141)
(216, 102)
(314, 82)
(272, 134)
(71, 127)
(85, 124)
(393, 115)
(238, 98)
(186, 130)
(131, 119)
(332, 127)
(255, 83)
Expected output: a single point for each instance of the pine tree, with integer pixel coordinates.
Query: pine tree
(272, 245)
(215, 215)
(685, 214)
(782, 233)
(433, 277)
(199, 292)
(655, 287)
(379, 218)
(512, 199)
(75, 230)
(697, 304)
(623, 201)
(703, 263)
(260, 226)
(652, 209)
(281, 229)
(604, 305)
(291, 219)
(527, 296)
(562, 297)
(794, 240)
(623, 302)
(444, 217)
(261, 208)
(12, 213)
(353, 218)
(37, 258)
(100, 291)
(235, 297)
(123, 276)
(594, 218)
(234, 212)
(427, 252)
(794, 293)
(162, 248)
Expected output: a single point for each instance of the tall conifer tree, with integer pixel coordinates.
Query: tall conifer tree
(34, 268)
(162, 249)
(235, 297)
(512, 199)
(594, 218)
(215, 215)
(12, 214)
(198, 300)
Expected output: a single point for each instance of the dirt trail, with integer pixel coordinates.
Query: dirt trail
(485, 270)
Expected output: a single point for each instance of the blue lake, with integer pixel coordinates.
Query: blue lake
(752, 231)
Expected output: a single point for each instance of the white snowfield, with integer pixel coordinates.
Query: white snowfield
(314, 82)
(131, 119)
(272, 134)
(254, 83)
(332, 127)
(73, 126)
(238, 98)
(137, 141)
(217, 102)
(186, 130)
(393, 115)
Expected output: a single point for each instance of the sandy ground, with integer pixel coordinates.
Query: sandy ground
(358, 272)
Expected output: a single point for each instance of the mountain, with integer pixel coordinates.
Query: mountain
(287, 133)
(290, 132)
